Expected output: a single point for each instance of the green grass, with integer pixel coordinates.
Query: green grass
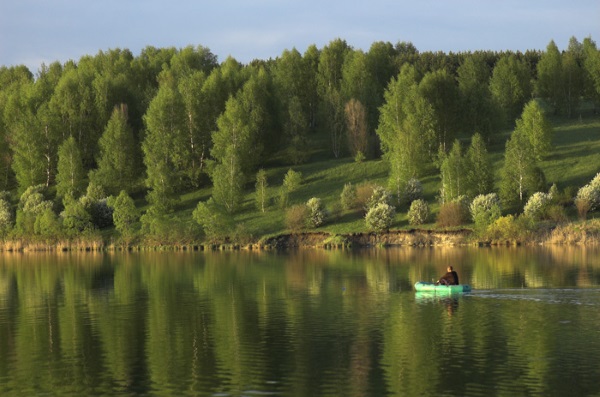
(574, 161)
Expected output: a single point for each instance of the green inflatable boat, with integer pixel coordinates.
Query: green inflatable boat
(422, 286)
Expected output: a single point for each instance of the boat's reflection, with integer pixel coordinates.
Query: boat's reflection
(449, 300)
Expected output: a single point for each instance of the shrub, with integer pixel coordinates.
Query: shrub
(102, 213)
(583, 207)
(213, 219)
(556, 213)
(569, 194)
(291, 182)
(380, 217)
(485, 209)
(536, 206)
(364, 191)
(124, 214)
(349, 198)
(591, 193)
(47, 224)
(452, 214)
(413, 190)
(316, 212)
(379, 196)
(418, 212)
(6, 217)
(509, 228)
(94, 202)
(359, 157)
(295, 217)
(33, 201)
(95, 192)
(75, 218)
(554, 193)
(242, 234)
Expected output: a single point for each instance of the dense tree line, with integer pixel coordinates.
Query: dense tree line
(171, 120)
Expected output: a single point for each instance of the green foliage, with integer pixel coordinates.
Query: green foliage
(348, 198)
(175, 97)
(364, 192)
(291, 183)
(165, 143)
(214, 220)
(511, 85)
(70, 175)
(454, 174)
(75, 218)
(262, 196)
(519, 170)
(33, 201)
(47, 224)
(316, 212)
(296, 129)
(479, 112)
(292, 81)
(407, 129)
(439, 89)
(359, 157)
(228, 180)
(485, 209)
(549, 83)
(240, 126)
(535, 127)
(480, 176)
(119, 158)
(329, 81)
(509, 229)
(556, 213)
(418, 212)
(380, 217)
(124, 215)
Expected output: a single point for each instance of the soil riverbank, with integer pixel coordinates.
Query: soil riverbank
(579, 233)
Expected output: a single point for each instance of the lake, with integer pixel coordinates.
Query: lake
(301, 323)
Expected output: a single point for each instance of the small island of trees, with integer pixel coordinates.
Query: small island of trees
(173, 148)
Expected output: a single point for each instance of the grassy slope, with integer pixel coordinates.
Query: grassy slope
(573, 162)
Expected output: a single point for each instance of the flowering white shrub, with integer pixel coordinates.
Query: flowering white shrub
(380, 196)
(6, 216)
(380, 217)
(418, 212)
(485, 209)
(537, 205)
(316, 212)
(591, 193)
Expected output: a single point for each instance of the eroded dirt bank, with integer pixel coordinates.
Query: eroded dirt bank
(395, 238)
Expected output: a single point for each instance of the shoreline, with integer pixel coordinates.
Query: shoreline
(584, 233)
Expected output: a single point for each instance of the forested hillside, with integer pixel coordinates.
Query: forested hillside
(172, 145)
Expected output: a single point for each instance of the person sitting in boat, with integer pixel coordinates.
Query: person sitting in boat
(450, 278)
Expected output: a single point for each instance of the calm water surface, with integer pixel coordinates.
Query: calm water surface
(309, 323)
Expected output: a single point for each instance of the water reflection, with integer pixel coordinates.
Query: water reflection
(306, 323)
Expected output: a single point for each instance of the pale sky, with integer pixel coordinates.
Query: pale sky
(33, 32)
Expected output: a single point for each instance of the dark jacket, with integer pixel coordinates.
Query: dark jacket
(450, 277)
